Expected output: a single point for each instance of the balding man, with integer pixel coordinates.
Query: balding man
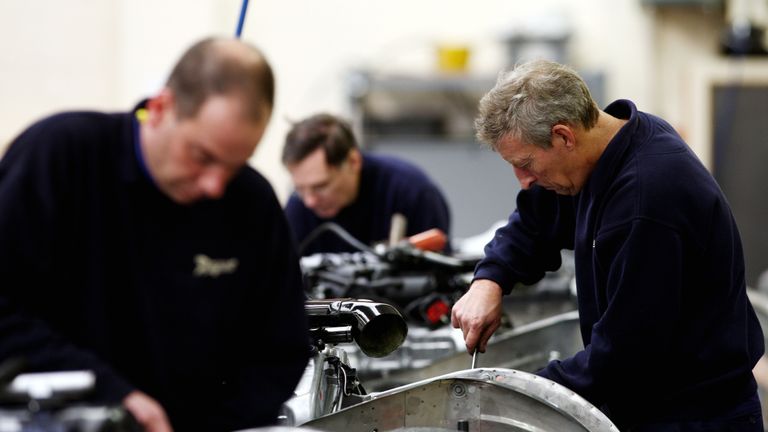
(141, 246)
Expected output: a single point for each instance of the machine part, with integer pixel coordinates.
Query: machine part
(463, 425)
(279, 429)
(378, 328)
(329, 382)
(486, 399)
(425, 295)
(49, 385)
(332, 335)
(433, 240)
(54, 402)
(424, 285)
(528, 348)
(74, 418)
(425, 354)
(397, 228)
(328, 385)
(336, 229)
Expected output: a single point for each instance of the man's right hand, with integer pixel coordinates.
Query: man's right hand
(478, 313)
(147, 411)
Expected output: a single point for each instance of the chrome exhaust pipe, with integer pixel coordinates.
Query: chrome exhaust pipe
(377, 328)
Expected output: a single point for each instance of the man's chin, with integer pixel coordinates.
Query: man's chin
(568, 192)
(186, 198)
(326, 214)
(561, 190)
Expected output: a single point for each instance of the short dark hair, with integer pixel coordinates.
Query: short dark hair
(219, 66)
(331, 133)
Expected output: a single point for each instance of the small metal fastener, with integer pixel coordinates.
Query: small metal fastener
(459, 390)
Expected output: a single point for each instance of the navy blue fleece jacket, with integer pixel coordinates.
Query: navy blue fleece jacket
(668, 331)
(99, 270)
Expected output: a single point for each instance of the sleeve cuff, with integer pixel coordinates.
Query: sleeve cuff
(496, 273)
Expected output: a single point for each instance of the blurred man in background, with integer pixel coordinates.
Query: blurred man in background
(140, 246)
(336, 182)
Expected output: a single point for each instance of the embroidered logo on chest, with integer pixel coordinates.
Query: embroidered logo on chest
(206, 266)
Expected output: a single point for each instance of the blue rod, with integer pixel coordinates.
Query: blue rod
(241, 21)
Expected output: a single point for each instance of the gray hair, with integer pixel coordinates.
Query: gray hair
(531, 98)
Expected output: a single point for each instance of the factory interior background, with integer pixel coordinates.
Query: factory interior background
(387, 66)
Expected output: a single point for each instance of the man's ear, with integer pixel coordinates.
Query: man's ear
(563, 135)
(159, 106)
(355, 159)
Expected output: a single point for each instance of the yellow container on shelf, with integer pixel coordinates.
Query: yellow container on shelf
(452, 58)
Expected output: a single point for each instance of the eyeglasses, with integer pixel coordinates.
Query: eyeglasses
(323, 187)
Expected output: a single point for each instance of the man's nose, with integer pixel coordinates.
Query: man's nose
(310, 200)
(213, 183)
(525, 177)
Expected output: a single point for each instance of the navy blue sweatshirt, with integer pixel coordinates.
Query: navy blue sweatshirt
(668, 331)
(199, 306)
(387, 186)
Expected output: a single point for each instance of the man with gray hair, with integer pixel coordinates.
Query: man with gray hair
(670, 337)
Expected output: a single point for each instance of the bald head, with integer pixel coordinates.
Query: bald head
(222, 67)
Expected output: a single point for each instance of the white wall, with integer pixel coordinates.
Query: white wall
(313, 43)
(55, 55)
(63, 54)
(94, 54)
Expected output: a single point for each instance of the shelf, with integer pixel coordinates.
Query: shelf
(363, 83)
(696, 3)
